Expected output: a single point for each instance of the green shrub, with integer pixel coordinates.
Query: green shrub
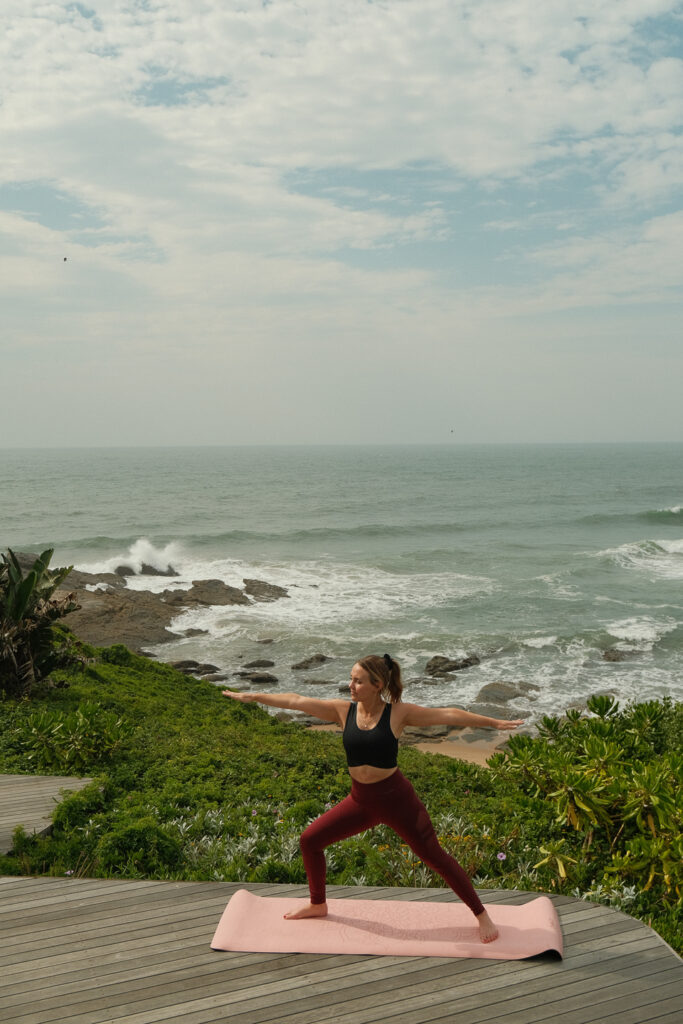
(615, 783)
(73, 741)
(138, 847)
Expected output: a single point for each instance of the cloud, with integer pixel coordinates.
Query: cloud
(273, 179)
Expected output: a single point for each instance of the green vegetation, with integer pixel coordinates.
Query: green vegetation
(615, 782)
(191, 786)
(29, 646)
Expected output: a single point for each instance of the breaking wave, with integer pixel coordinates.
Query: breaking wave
(663, 558)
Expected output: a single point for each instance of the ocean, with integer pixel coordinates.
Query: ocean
(537, 558)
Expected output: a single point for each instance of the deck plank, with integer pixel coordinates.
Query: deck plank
(104, 951)
(29, 800)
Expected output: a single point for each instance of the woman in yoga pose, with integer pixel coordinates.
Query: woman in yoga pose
(380, 794)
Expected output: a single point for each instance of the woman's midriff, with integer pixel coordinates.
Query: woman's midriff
(366, 773)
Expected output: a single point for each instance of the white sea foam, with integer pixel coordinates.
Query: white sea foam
(559, 587)
(539, 641)
(674, 547)
(641, 632)
(322, 594)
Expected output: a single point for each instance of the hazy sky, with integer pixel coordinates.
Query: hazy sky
(340, 221)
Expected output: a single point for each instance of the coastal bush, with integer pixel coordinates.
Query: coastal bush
(200, 788)
(614, 779)
(29, 648)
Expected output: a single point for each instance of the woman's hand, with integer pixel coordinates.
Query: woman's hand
(246, 698)
(502, 723)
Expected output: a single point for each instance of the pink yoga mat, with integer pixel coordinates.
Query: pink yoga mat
(255, 924)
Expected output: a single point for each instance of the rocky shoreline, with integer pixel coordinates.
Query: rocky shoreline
(111, 612)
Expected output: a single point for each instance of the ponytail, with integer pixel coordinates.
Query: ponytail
(385, 673)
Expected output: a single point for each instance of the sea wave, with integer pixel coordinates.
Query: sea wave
(666, 515)
(141, 552)
(322, 533)
(662, 558)
(673, 515)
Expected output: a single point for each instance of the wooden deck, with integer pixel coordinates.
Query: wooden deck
(29, 800)
(92, 951)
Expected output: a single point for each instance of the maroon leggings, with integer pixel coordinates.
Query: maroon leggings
(391, 802)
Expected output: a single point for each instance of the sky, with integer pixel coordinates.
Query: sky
(409, 221)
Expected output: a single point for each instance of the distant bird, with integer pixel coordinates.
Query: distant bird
(65, 258)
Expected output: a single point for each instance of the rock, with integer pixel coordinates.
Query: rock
(417, 733)
(258, 677)
(497, 711)
(261, 591)
(135, 618)
(345, 688)
(500, 692)
(129, 617)
(441, 666)
(310, 681)
(259, 663)
(307, 720)
(151, 570)
(145, 570)
(315, 659)
(212, 592)
(216, 677)
(617, 654)
(471, 735)
(193, 668)
(79, 580)
(195, 632)
(266, 640)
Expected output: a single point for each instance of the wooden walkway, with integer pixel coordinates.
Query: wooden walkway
(92, 951)
(29, 800)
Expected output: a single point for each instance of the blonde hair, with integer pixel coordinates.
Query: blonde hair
(385, 673)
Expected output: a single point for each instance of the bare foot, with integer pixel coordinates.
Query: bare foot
(487, 929)
(312, 910)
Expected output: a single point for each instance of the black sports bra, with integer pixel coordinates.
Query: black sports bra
(377, 747)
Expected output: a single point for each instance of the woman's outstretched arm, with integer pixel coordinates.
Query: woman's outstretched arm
(415, 714)
(325, 710)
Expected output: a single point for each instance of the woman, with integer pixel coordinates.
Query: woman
(372, 723)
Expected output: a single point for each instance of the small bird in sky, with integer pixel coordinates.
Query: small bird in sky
(65, 258)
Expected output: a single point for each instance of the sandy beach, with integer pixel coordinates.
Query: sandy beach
(476, 752)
